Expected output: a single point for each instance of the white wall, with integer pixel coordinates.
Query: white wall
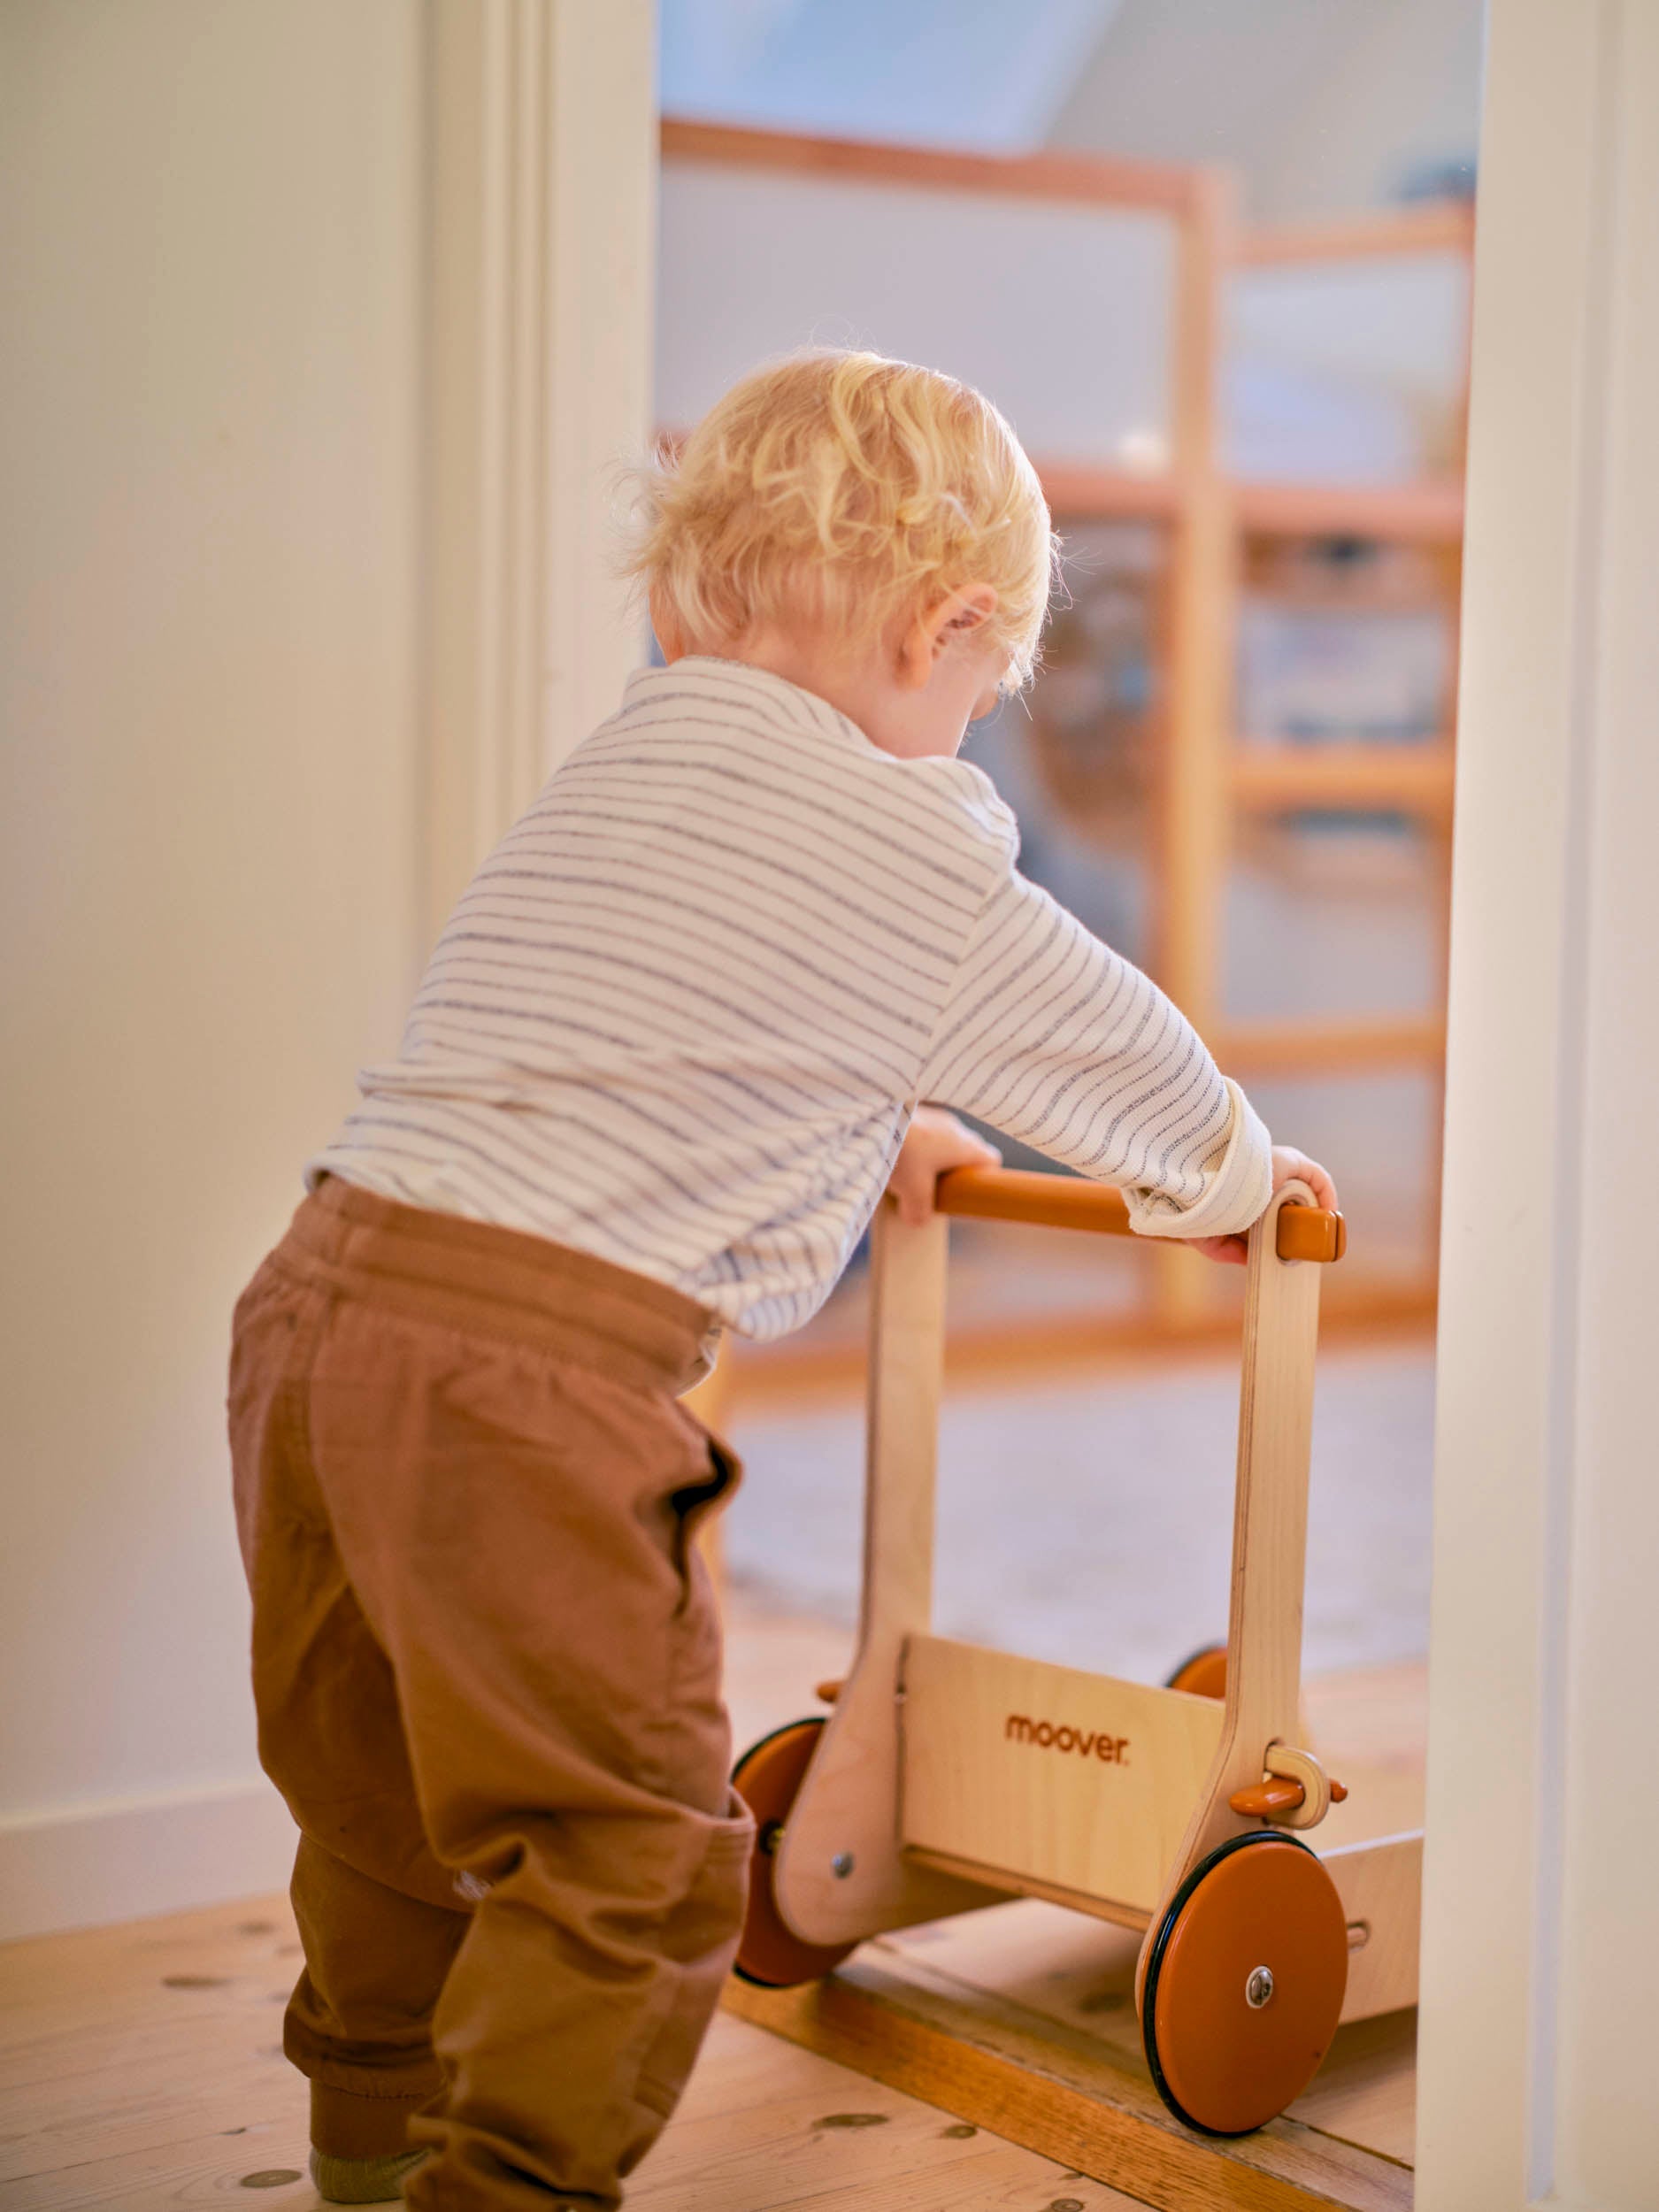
(208, 591)
(1539, 2050)
(1346, 370)
(1061, 313)
(218, 790)
(541, 180)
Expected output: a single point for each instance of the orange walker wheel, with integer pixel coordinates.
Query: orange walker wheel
(1204, 1675)
(767, 1777)
(1244, 1984)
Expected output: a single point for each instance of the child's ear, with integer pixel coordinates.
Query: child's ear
(965, 611)
(957, 615)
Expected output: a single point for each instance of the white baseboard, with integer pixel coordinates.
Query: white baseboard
(104, 1862)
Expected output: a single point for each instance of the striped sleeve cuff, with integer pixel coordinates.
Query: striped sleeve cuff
(1236, 1188)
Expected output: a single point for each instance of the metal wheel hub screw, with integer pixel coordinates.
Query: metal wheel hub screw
(1259, 1987)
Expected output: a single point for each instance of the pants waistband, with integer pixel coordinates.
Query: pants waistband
(472, 1274)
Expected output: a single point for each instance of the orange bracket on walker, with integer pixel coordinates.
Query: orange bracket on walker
(1071, 1202)
(1275, 1794)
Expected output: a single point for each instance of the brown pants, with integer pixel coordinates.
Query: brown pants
(486, 1668)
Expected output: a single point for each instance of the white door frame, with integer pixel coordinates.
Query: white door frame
(542, 223)
(1541, 1928)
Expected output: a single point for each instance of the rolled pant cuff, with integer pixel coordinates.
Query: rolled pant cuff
(347, 2124)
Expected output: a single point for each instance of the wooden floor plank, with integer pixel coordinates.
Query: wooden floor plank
(1000, 2178)
(1080, 1973)
(1366, 2091)
(182, 2173)
(126, 2122)
(793, 2152)
(1063, 2093)
(991, 2183)
(142, 2072)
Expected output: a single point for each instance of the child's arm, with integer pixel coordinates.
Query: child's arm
(1048, 1034)
(936, 1142)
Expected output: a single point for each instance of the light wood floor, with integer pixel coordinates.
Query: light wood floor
(143, 2069)
(140, 2065)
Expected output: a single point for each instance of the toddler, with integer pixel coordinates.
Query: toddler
(672, 1045)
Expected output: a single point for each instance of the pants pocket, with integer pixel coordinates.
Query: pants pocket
(695, 1501)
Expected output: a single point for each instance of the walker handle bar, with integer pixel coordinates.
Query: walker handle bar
(1071, 1202)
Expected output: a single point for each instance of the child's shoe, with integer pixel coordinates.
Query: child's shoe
(363, 2180)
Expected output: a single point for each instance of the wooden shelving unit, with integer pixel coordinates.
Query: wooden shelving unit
(1414, 778)
(1208, 778)
(1421, 514)
(1209, 775)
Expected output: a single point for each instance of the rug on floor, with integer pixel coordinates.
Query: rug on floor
(1089, 1521)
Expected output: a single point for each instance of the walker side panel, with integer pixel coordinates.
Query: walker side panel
(1059, 1777)
(1380, 1884)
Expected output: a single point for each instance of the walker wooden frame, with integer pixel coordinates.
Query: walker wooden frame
(949, 1777)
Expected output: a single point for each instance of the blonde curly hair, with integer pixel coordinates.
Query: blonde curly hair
(842, 490)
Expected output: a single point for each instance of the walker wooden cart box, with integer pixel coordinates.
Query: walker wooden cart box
(949, 1777)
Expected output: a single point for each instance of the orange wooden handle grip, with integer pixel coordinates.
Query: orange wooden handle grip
(1049, 1202)
(1071, 1202)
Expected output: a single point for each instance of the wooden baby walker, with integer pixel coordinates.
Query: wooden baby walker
(949, 1777)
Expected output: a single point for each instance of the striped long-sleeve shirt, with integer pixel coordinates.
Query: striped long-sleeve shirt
(683, 1014)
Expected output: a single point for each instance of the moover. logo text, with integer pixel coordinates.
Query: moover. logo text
(1087, 1743)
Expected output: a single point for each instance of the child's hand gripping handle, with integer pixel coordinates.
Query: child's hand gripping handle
(1071, 1202)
